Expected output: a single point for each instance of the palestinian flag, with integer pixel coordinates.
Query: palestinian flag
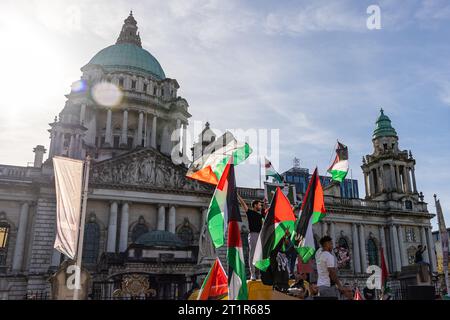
(237, 279)
(271, 172)
(209, 168)
(215, 286)
(312, 211)
(279, 218)
(339, 168)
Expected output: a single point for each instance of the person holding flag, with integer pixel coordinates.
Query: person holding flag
(255, 221)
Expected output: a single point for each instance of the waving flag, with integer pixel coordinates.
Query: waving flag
(279, 218)
(237, 279)
(209, 168)
(215, 286)
(271, 172)
(312, 211)
(339, 168)
(357, 295)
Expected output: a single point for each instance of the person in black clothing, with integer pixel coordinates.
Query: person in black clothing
(419, 252)
(255, 221)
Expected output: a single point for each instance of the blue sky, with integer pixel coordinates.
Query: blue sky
(309, 68)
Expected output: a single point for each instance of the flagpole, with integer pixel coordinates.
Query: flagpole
(76, 293)
(259, 171)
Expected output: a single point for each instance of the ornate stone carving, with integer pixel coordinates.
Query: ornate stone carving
(135, 286)
(145, 168)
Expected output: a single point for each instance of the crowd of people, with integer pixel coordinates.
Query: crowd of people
(322, 282)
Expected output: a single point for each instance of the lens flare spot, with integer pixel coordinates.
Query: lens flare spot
(107, 94)
(79, 86)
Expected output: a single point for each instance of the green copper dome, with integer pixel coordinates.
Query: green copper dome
(129, 57)
(159, 238)
(383, 127)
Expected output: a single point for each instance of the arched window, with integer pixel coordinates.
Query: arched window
(139, 229)
(4, 236)
(372, 251)
(91, 241)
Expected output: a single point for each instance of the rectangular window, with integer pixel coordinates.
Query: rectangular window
(133, 84)
(121, 82)
(145, 87)
(116, 141)
(154, 91)
(162, 92)
(130, 142)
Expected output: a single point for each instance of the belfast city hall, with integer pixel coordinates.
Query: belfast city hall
(145, 232)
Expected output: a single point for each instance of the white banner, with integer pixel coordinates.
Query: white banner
(68, 181)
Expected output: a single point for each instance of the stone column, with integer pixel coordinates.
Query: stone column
(393, 181)
(383, 241)
(381, 179)
(372, 183)
(172, 216)
(112, 228)
(332, 233)
(124, 221)
(423, 238)
(124, 138)
(413, 174)
(362, 247)
(324, 228)
(399, 183)
(153, 143)
(396, 251)
(356, 258)
(139, 129)
(51, 150)
(71, 146)
(60, 143)
(431, 250)
(406, 177)
(401, 240)
(185, 151)
(20, 239)
(83, 114)
(108, 133)
(366, 183)
(161, 217)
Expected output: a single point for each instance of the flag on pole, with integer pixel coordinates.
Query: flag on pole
(357, 295)
(68, 183)
(217, 217)
(312, 211)
(279, 218)
(444, 240)
(339, 168)
(215, 286)
(237, 279)
(209, 168)
(271, 172)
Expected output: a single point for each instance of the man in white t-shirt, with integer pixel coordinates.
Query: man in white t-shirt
(326, 270)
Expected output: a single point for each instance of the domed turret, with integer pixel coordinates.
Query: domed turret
(383, 127)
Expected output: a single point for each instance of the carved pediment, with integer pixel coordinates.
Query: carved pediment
(145, 168)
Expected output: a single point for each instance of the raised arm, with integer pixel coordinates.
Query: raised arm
(242, 202)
